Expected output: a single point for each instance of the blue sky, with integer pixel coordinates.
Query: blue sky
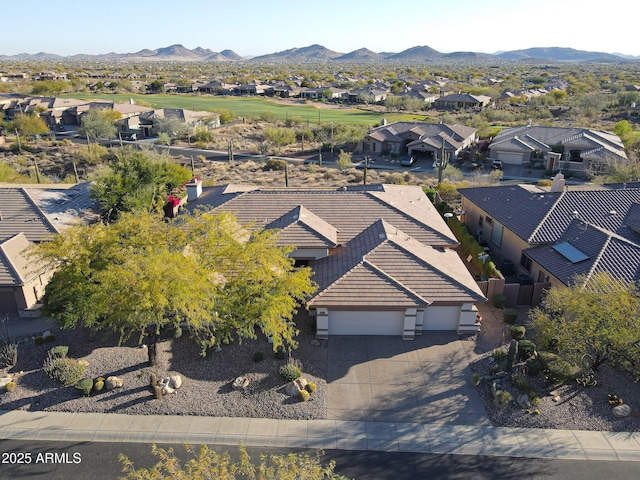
(253, 27)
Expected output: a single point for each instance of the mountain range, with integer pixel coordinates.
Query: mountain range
(320, 54)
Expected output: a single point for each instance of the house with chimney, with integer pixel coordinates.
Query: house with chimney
(383, 258)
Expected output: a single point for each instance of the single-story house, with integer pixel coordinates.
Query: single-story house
(457, 101)
(557, 148)
(383, 258)
(419, 139)
(27, 216)
(552, 236)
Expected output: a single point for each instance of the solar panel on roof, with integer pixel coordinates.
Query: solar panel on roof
(570, 252)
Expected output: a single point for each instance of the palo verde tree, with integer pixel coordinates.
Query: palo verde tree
(98, 124)
(205, 273)
(137, 181)
(590, 322)
(28, 124)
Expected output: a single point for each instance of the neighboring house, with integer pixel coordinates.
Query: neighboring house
(556, 148)
(421, 139)
(27, 216)
(555, 235)
(143, 124)
(366, 95)
(382, 256)
(457, 101)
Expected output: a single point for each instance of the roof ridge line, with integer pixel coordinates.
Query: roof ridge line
(546, 216)
(394, 280)
(597, 259)
(12, 267)
(39, 210)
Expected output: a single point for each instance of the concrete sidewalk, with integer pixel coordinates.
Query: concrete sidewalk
(325, 434)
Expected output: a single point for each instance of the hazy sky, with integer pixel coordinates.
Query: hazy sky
(252, 27)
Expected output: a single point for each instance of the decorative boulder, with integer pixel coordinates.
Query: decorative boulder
(294, 388)
(623, 410)
(241, 382)
(175, 381)
(113, 382)
(4, 381)
(523, 401)
(165, 389)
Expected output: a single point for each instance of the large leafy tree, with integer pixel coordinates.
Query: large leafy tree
(28, 124)
(205, 273)
(591, 321)
(99, 123)
(137, 181)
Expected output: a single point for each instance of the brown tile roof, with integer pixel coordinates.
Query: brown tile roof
(303, 228)
(410, 272)
(20, 213)
(15, 267)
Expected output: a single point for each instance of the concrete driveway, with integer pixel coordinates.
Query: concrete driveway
(387, 379)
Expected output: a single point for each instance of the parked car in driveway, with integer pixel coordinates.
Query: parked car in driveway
(407, 161)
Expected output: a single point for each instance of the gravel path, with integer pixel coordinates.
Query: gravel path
(206, 388)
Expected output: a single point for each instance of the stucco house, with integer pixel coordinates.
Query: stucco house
(27, 216)
(382, 256)
(458, 101)
(424, 140)
(552, 236)
(556, 148)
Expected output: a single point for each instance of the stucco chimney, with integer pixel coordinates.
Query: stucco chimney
(194, 188)
(558, 183)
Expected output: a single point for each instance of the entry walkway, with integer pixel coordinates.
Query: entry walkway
(325, 434)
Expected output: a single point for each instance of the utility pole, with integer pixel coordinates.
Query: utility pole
(366, 168)
(75, 171)
(286, 174)
(331, 139)
(193, 166)
(320, 156)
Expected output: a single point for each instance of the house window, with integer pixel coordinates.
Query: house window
(542, 278)
(496, 235)
(480, 221)
(525, 262)
(366, 146)
(489, 220)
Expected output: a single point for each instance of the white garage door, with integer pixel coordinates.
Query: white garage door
(365, 323)
(510, 158)
(441, 318)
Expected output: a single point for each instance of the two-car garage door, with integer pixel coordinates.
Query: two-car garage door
(365, 323)
(510, 158)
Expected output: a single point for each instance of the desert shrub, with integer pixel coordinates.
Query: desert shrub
(526, 349)
(520, 382)
(517, 332)
(98, 385)
(555, 368)
(9, 354)
(84, 386)
(60, 350)
(304, 395)
(534, 366)
(311, 387)
(509, 316)
(274, 164)
(38, 340)
(10, 387)
(290, 372)
(258, 357)
(495, 368)
(475, 379)
(502, 399)
(63, 369)
(50, 338)
(203, 135)
(498, 354)
(498, 301)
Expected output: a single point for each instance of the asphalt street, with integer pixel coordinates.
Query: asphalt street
(99, 461)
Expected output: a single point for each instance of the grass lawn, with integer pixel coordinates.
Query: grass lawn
(254, 106)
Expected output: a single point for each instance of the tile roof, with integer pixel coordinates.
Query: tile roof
(348, 210)
(542, 217)
(19, 213)
(15, 268)
(402, 272)
(303, 228)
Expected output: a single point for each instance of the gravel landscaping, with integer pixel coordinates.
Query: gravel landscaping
(575, 407)
(207, 381)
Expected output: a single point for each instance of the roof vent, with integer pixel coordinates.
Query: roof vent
(612, 212)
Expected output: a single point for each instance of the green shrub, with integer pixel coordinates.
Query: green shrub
(63, 369)
(498, 354)
(511, 354)
(60, 351)
(509, 316)
(495, 368)
(50, 338)
(290, 372)
(502, 399)
(258, 357)
(534, 366)
(519, 382)
(475, 379)
(274, 164)
(526, 349)
(39, 340)
(556, 369)
(304, 395)
(9, 354)
(84, 386)
(517, 331)
(499, 301)
(311, 387)
(98, 385)
(10, 387)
